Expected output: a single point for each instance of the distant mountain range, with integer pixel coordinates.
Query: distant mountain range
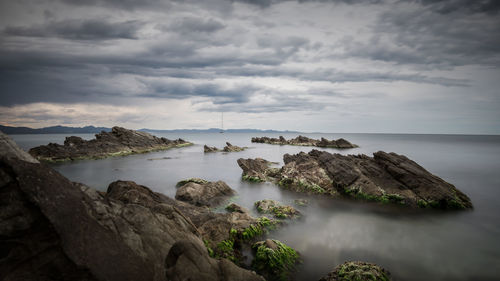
(94, 130)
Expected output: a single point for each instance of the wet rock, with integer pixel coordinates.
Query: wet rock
(257, 170)
(208, 149)
(305, 141)
(275, 260)
(384, 178)
(268, 206)
(204, 194)
(233, 207)
(233, 148)
(188, 260)
(195, 180)
(356, 270)
(119, 141)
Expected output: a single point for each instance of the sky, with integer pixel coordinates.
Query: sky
(346, 66)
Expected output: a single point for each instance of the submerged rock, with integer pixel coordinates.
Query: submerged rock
(203, 193)
(233, 207)
(358, 271)
(305, 141)
(119, 141)
(55, 229)
(275, 260)
(385, 178)
(268, 206)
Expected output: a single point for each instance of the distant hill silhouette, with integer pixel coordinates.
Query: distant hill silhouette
(94, 130)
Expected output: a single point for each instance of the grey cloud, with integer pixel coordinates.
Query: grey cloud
(450, 6)
(79, 30)
(187, 25)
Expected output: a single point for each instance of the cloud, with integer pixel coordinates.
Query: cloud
(187, 25)
(90, 29)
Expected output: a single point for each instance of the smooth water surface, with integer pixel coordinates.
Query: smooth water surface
(426, 245)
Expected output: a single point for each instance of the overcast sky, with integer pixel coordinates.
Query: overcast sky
(331, 66)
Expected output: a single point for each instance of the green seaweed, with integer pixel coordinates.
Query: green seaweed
(277, 264)
(251, 178)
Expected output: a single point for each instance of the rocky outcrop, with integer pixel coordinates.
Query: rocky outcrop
(228, 148)
(203, 193)
(208, 149)
(275, 260)
(55, 229)
(273, 207)
(233, 207)
(119, 141)
(257, 170)
(385, 178)
(358, 271)
(305, 141)
(233, 148)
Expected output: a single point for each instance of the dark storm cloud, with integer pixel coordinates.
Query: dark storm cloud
(79, 30)
(468, 6)
(431, 37)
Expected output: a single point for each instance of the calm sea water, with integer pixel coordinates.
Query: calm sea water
(413, 246)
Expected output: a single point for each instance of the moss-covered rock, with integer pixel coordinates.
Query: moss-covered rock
(195, 180)
(358, 271)
(274, 260)
(268, 206)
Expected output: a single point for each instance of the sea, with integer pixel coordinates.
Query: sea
(412, 245)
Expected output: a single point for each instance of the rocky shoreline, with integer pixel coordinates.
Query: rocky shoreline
(305, 141)
(118, 142)
(228, 148)
(385, 178)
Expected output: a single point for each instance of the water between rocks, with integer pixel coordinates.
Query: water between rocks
(429, 245)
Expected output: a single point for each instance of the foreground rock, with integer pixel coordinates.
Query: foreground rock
(228, 148)
(275, 260)
(119, 141)
(358, 271)
(305, 141)
(54, 229)
(203, 193)
(385, 178)
(268, 206)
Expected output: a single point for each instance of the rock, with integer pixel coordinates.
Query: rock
(305, 141)
(268, 206)
(195, 180)
(119, 141)
(188, 260)
(257, 170)
(384, 178)
(356, 270)
(233, 148)
(54, 229)
(8, 148)
(204, 194)
(207, 149)
(275, 260)
(233, 207)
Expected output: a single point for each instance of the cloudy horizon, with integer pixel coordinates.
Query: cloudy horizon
(352, 66)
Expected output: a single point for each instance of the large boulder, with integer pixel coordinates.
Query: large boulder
(384, 178)
(54, 229)
(275, 260)
(358, 271)
(204, 193)
(119, 141)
